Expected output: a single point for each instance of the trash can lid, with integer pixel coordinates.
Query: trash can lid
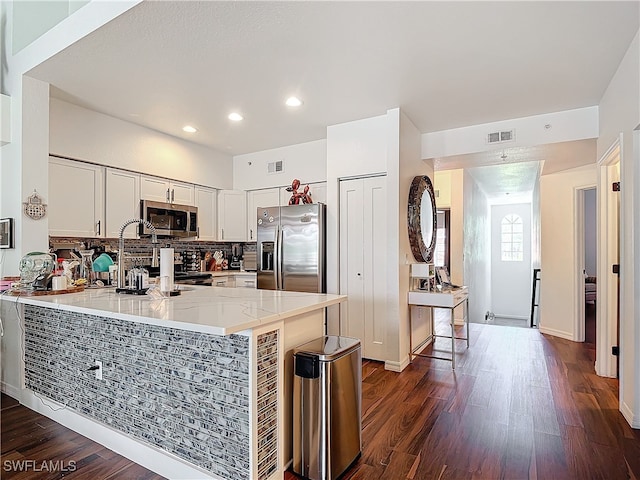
(329, 347)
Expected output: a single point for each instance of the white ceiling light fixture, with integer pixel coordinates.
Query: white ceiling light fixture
(293, 102)
(189, 129)
(235, 117)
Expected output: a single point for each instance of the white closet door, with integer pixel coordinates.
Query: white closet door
(363, 263)
(375, 267)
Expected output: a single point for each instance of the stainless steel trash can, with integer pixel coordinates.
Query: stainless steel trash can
(327, 403)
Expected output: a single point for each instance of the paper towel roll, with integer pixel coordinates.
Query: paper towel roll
(166, 269)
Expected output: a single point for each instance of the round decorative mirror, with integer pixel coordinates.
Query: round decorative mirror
(422, 219)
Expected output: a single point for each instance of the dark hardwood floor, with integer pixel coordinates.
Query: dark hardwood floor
(520, 405)
(35, 447)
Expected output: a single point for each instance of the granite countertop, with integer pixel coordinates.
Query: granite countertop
(215, 310)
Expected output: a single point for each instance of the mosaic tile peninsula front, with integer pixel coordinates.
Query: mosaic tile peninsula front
(184, 392)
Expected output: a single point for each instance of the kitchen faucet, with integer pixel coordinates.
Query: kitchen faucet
(154, 241)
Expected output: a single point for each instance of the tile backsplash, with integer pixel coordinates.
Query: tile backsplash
(142, 248)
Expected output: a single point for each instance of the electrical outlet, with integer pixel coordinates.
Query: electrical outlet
(99, 370)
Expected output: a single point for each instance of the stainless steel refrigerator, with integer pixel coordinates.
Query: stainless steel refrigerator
(291, 248)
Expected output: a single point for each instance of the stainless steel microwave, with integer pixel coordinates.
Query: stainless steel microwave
(169, 219)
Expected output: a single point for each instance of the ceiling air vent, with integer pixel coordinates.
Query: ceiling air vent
(502, 136)
(275, 167)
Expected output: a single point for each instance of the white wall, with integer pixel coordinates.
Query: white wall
(590, 232)
(410, 165)
(353, 149)
(476, 245)
(33, 18)
(578, 124)
(305, 161)
(24, 160)
(620, 114)
(559, 264)
(388, 144)
(457, 215)
(535, 225)
(83, 134)
(511, 281)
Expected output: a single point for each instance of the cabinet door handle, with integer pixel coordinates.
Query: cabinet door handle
(222, 234)
(251, 233)
(98, 227)
(198, 232)
(167, 195)
(173, 194)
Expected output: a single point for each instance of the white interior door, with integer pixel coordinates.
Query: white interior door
(363, 263)
(511, 260)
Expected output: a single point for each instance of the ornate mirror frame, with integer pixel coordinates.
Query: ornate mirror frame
(421, 216)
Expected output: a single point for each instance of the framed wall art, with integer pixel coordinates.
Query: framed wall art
(6, 233)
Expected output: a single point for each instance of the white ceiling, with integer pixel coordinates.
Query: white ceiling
(165, 64)
(445, 64)
(509, 174)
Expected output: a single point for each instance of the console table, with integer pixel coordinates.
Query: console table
(446, 298)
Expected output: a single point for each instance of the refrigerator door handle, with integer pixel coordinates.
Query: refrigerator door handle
(279, 262)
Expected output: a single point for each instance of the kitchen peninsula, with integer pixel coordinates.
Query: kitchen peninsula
(203, 378)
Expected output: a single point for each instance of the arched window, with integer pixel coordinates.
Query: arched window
(511, 243)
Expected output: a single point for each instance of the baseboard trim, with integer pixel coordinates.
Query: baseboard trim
(396, 366)
(162, 463)
(627, 413)
(13, 392)
(556, 333)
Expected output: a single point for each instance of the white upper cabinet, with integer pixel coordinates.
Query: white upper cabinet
(232, 215)
(182, 193)
(206, 201)
(163, 190)
(318, 193)
(122, 202)
(76, 199)
(269, 197)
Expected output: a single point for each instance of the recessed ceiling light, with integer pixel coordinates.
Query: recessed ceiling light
(293, 102)
(235, 117)
(189, 129)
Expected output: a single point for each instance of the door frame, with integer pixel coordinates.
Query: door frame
(578, 330)
(607, 299)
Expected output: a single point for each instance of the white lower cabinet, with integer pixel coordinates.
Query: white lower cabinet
(245, 280)
(122, 202)
(223, 281)
(364, 262)
(76, 199)
(232, 215)
(238, 280)
(206, 201)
